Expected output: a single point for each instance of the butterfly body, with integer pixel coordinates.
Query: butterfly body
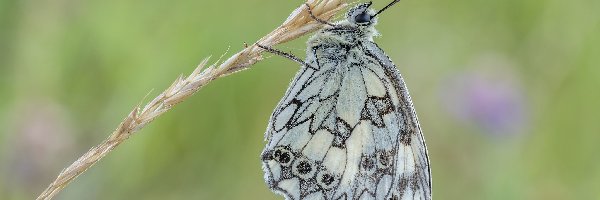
(346, 127)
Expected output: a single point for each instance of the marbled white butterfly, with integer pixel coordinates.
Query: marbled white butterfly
(346, 127)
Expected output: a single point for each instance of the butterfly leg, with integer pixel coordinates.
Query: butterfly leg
(316, 18)
(286, 55)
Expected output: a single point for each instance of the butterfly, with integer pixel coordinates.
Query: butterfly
(346, 127)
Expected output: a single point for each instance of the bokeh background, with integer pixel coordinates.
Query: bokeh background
(507, 93)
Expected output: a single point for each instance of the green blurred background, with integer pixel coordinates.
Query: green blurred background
(507, 93)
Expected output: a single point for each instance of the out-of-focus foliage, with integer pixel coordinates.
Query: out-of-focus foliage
(507, 93)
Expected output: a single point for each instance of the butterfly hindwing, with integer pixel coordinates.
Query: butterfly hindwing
(412, 178)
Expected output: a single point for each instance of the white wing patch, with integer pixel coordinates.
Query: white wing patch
(375, 86)
(351, 97)
(317, 147)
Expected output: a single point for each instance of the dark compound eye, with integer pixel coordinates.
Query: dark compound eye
(362, 18)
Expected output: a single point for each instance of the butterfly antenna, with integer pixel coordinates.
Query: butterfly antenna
(386, 7)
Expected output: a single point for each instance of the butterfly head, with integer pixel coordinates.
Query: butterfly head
(361, 15)
(359, 25)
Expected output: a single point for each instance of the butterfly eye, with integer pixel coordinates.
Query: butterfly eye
(362, 18)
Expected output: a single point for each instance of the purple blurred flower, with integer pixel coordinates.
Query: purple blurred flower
(488, 96)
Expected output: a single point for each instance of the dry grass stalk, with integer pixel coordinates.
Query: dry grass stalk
(297, 24)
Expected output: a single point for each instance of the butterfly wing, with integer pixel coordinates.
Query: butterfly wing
(347, 130)
(412, 177)
(294, 159)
